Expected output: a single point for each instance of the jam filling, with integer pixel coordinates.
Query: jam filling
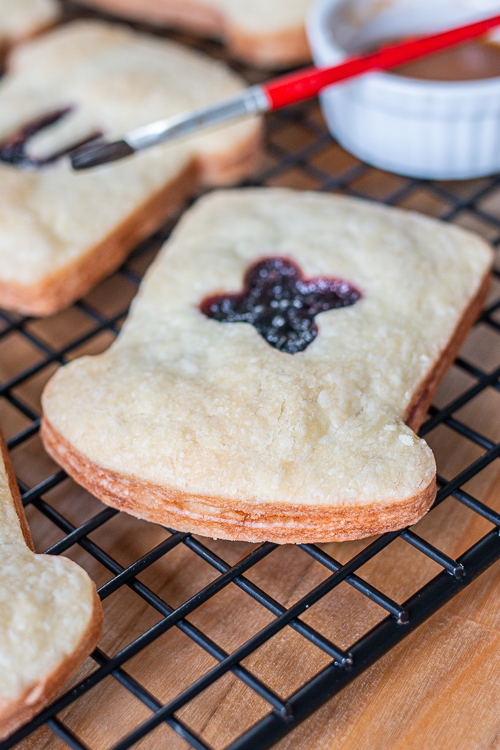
(280, 303)
(13, 149)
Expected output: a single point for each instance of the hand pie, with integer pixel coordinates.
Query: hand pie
(50, 614)
(62, 231)
(279, 357)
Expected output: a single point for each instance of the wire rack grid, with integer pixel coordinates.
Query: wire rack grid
(190, 622)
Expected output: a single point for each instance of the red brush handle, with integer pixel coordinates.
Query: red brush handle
(307, 83)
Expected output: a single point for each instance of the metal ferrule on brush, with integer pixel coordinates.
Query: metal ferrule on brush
(250, 101)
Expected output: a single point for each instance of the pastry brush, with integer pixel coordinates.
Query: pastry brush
(272, 95)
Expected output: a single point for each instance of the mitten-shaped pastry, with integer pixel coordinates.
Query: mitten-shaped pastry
(62, 231)
(50, 614)
(263, 33)
(23, 18)
(279, 356)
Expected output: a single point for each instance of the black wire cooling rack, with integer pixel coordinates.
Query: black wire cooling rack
(299, 152)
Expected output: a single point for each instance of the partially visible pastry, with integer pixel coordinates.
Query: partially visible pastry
(262, 33)
(62, 231)
(276, 364)
(50, 614)
(20, 19)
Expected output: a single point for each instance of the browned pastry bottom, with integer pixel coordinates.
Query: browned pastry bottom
(19, 712)
(73, 281)
(289, 47)
(248, 520)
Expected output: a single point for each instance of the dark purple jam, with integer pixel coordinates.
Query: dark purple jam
(13, 149)
(280, 303)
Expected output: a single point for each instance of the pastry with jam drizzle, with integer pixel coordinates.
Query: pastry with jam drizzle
(281, 304)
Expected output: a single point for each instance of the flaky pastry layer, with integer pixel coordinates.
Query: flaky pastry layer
(235, 520)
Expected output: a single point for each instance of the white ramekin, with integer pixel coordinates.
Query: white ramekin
(418, 128)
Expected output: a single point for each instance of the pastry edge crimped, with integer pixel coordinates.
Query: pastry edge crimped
(246, 520)
(17, 713)
(280, 49)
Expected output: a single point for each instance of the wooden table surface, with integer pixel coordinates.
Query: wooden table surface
(440, 688)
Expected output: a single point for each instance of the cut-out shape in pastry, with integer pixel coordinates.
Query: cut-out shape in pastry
(60, 231)
(280, 303)
(206, 428)
(14, 148)
(50, 614)
(263, 33)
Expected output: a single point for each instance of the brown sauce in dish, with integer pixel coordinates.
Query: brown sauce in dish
(472, 61)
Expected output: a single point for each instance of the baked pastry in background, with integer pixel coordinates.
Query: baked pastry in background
(264, 33)
(50, 614)
(278, 359)
(23, 18)
(62, 231)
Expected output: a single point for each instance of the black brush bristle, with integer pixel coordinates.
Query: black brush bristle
(99, 152)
